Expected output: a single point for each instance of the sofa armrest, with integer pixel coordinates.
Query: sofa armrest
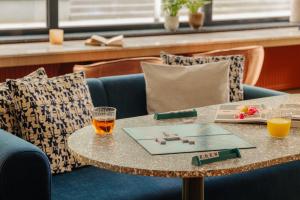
(252, 92)
(24, 170)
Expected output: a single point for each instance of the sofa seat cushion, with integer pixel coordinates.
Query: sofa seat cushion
(90, 183)
(272, 183)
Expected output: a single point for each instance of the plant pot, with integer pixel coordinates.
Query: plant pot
(295, 11)
(171, 23)
(196, 20)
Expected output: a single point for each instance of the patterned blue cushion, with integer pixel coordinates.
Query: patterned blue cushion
(8, 120)
(49, 111)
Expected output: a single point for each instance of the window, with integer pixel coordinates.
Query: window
(120, 12)
(107, 12)
(110, 12)
(223, 10)
(22, 14)
(36, 16)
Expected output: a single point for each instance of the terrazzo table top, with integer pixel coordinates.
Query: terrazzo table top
(122, 154)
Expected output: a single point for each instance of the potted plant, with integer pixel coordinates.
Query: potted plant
(196, 15)
(171, 9)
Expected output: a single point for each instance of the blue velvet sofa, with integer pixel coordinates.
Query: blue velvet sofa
(25, 172)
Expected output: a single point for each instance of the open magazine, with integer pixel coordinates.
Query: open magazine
(230, 113)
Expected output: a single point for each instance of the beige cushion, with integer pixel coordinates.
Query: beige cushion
(236, 90)
(170, 88)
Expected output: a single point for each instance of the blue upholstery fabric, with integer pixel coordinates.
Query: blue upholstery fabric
(24, 170)
(90, 183)
(98, 92)
(251, 92)
(127, 94)
(279, 182)
(273, 183)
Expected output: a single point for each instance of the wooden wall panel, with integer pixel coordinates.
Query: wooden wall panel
(18, 72)
(281, 69)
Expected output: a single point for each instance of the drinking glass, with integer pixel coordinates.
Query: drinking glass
(104, 120)
(279, 123)
(56, 36)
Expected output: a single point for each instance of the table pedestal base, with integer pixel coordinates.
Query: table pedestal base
(193, 189)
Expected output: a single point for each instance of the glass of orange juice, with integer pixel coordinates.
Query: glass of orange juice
(104, 120)
(279, 124)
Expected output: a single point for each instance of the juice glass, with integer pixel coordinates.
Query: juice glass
(279, 125)
(104, 120)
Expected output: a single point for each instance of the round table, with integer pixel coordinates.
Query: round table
(120, 153)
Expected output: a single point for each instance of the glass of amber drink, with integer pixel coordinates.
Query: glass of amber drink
(104, 120)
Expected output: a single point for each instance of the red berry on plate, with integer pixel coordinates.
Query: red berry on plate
(242, 116)
(252, 110)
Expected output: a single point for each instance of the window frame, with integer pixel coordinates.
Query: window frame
(52, 9)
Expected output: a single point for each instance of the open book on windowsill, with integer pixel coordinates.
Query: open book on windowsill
(97, 40)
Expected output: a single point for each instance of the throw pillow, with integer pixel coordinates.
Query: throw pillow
(170, 88)
(8, 120)
(49, 111)
(236, 91)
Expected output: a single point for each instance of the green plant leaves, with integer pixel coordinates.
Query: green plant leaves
(195, 5)
(172, 7)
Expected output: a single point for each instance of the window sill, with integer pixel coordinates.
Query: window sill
(184, 29)
(75, 51)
